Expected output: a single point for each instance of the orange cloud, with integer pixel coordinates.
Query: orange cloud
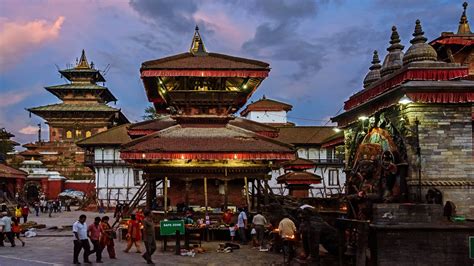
(18, 39)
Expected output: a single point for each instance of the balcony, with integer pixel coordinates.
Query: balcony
(91, 161)
(333, 161)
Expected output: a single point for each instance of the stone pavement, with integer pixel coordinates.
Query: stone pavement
(54, 247)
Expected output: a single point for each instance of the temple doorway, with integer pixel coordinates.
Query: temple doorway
(32, 191)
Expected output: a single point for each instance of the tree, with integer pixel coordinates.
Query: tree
(150, 113)
(6, 145)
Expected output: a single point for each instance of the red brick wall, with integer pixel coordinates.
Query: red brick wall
(54, 188)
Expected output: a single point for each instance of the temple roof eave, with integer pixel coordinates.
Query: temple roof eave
(105, 93)
(411, 88)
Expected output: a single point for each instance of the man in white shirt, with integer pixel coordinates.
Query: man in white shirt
(259, 222)
(79, 229)
(242, 225)
(7, 227)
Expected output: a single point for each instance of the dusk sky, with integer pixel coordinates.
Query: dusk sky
(319, 51)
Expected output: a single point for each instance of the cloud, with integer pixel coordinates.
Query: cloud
(29, 130)
(13, 97)
(16, 38)
(176, 16)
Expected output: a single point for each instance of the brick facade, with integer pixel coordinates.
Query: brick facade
(446, 142)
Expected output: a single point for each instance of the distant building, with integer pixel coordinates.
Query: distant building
(115, 180)
(267, 111)
(319, 144)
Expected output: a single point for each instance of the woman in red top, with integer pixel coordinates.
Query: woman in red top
(134, 234)
(24, 212)
(16, 229)
(107, 237)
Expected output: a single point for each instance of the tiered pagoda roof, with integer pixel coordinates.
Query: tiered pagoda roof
(200, 91)
(199, 82)
(81, 95)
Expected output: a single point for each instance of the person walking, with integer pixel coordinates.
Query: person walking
(2, 230)
(79, 229)
(93, 232)
(133, 235)
(18, 212)
(24, 212)
(50, 207)
(242, 225)
(107, 237)
(259, 222)
(148, 236)
(16, 229)
(7, 228)
(37, 208)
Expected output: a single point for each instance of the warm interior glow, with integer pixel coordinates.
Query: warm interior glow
(405, 100)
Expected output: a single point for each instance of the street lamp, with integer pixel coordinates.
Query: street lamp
(404, 100)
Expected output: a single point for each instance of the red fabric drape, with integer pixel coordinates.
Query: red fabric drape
(409, 74)
(458, 41)
(442, 97)
(206, 156)
(206, 73)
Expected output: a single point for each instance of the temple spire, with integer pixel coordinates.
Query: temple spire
(83, 61)
(463, 23)
(419, 50)
(197, 46)
(374, 73)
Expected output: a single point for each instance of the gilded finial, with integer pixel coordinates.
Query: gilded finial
(83, 61)
(463, 23)
(197, 45)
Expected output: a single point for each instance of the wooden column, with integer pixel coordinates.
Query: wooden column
(165, 195)
(186, 196)
(226, 195)
(259, 193)
(205, 193)
(253, 194)
(247, 192)
(266, 192)
(151, 192)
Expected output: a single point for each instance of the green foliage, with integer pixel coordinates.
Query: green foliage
(6, 144)
(150, 113)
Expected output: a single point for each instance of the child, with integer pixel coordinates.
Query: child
(16, 229)
(253, 233)
(232, 229)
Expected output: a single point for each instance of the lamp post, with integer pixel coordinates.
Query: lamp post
(404, 100)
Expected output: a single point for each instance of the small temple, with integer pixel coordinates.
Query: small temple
(404, 128)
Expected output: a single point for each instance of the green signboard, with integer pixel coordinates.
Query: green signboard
(168, 228)
(471, 247)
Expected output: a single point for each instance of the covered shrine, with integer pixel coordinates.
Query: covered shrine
(200, 153)
(297, 179)
(410, 129)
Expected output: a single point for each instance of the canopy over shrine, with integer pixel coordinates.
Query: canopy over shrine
(197, 138)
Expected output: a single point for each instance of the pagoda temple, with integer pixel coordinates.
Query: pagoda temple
(198, 149)
(411, 124)
(82, 112)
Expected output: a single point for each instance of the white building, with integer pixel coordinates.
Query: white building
(320, 144)
(115, 180)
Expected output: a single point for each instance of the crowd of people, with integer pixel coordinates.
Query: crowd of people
(101, 234)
